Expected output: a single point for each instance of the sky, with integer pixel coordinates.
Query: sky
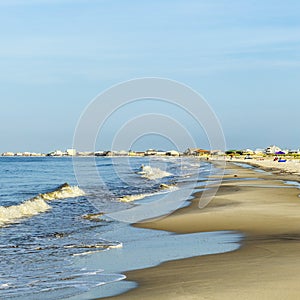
(56, 56)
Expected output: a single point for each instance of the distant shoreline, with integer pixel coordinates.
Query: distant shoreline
(272, 151)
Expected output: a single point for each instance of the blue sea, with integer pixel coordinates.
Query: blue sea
(65, 224)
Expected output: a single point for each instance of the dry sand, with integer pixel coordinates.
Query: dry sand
(267, 266)
(291, 166)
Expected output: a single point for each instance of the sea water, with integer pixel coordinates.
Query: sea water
(60, 240)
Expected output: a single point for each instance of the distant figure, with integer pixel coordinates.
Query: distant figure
(275, 159)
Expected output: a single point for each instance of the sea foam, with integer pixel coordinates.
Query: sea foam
(153, 173)
(63, 192)
(164, 188)
(37, 204)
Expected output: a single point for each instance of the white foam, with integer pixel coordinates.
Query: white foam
(4, 286)
(64, 192)
(164, 189)
(121, 277)
(131, 198)
(37, 204)
(153, 173)
(117, 246)
(86, 253)
(26, 209)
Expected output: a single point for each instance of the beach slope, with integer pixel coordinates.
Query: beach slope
(267, 266)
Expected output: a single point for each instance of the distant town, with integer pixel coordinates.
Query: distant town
(272, 150)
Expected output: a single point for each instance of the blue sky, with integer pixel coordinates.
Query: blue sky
(243, 57)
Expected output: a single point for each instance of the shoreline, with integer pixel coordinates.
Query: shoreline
(260, 206)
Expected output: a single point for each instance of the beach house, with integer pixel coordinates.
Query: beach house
(71, 152)
(272, 149)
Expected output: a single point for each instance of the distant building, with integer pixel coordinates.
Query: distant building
(161, 153)
(196, 152)
(109, 153)
(172, 153)
(35, 154)
(71, 152)
(259, 151)
(217, 152)
(99, 153)
(190, 151)
(200, 152)
(140, 153)
(41, 154)
(56, 153)
(272, 149)
(121, 153)
(150, 152)
(86, 153)
(294, 151)
(247, 151)
(8, 154)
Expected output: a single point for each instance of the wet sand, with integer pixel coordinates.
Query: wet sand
(267, 266)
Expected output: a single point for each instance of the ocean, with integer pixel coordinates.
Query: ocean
(65, 228)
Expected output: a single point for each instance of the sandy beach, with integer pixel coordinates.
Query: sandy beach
(291, 166)
(266, 211)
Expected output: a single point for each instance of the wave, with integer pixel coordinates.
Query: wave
(153, 173)
(163, 189)
(4, 286)
(131, 198)
(102, 245)
(38, 204)
(116, 245)
(63, 192)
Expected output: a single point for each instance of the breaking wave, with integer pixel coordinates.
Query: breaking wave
(131, 198)
(38, 204)
(153, 173)
(63, 192)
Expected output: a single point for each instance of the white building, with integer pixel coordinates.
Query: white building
(150, 152)
(57, 153)
(173, 153)
(161, 153)
(259, 151)
(248, 151)
(8, 154)
(122, 153)
(71, 152)
(217, 152)
(272, 149)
